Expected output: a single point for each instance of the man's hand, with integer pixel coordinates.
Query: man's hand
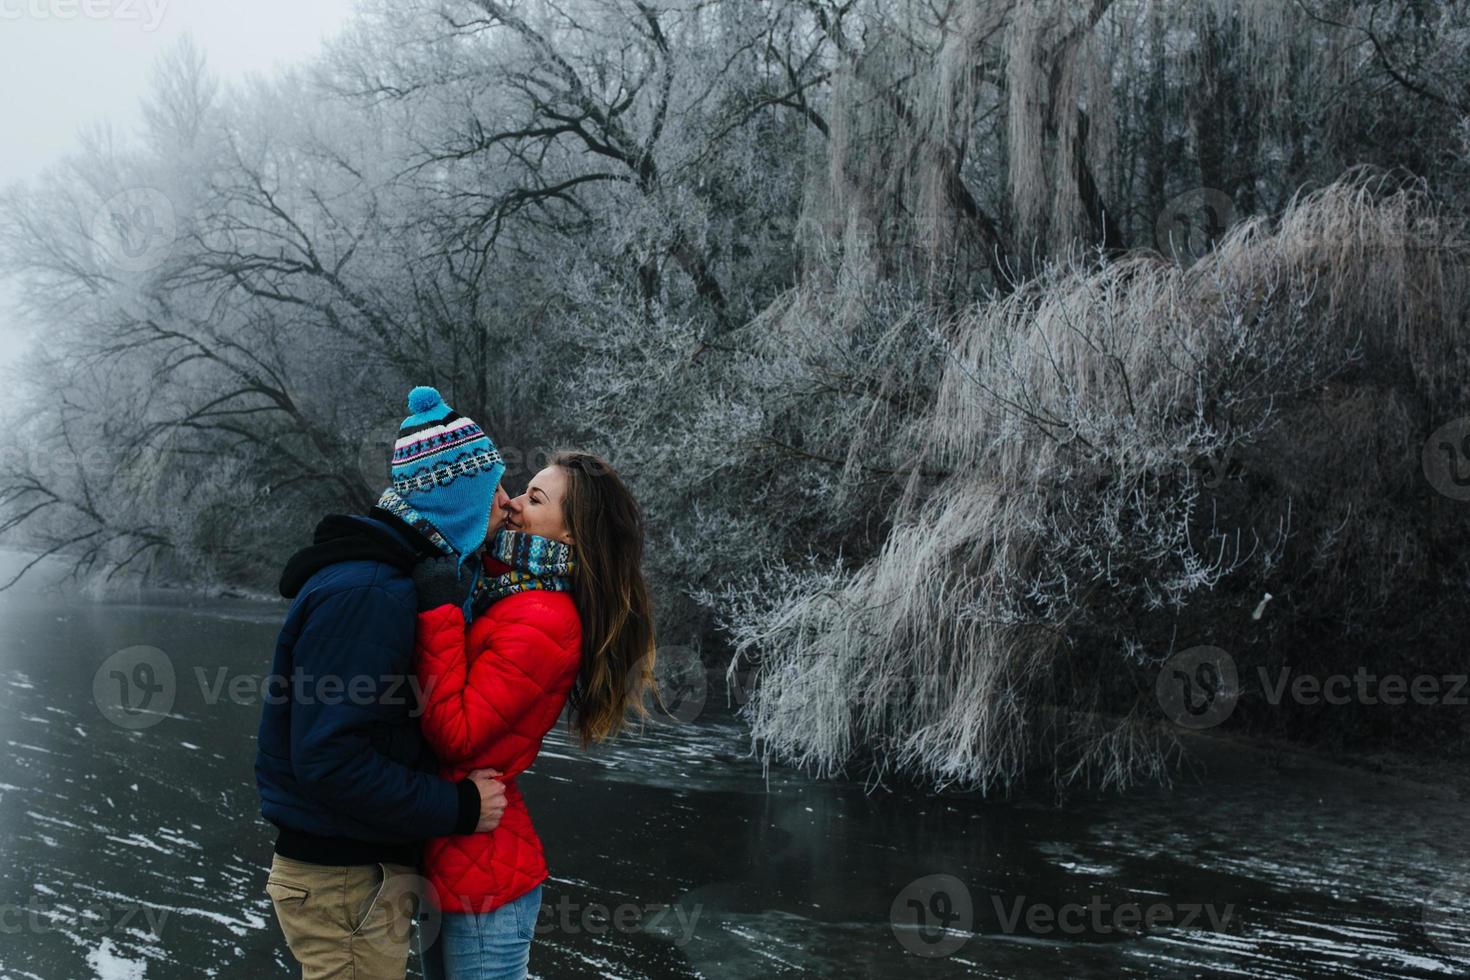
(492, 798)
(442, 581)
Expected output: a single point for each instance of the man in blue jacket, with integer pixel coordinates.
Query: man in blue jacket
(342, 769)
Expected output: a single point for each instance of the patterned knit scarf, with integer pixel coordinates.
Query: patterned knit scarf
(535, 563)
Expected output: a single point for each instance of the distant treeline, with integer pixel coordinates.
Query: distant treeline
(973, 361)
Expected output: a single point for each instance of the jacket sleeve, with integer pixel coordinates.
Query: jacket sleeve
(494, 703)
(349, 675)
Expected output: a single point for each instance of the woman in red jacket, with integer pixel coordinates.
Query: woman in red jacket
(560, 615)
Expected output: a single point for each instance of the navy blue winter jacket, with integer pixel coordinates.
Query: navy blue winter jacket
(341, 767)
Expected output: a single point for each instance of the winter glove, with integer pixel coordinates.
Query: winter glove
(443, 581)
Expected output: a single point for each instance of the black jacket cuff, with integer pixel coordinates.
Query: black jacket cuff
(469, 807)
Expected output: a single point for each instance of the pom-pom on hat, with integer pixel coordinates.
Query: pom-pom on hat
(446, 468)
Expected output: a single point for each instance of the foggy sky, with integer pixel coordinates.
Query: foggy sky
(65, 64)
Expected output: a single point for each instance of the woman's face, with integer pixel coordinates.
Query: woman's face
(540, 510)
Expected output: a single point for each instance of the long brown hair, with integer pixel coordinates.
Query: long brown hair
(606, 527)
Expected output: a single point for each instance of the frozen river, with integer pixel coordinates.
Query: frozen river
(137, 852)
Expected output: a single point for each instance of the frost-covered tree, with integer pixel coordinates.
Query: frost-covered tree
(920, 329)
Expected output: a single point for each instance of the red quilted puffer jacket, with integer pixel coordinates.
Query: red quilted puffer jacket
(491, 694)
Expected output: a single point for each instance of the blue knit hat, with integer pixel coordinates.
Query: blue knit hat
(446, 468)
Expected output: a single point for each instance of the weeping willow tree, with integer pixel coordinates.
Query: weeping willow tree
(1101, 454)
(990, 137)
(1014, 618)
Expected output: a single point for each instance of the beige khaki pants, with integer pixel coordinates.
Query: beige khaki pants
(345, 923)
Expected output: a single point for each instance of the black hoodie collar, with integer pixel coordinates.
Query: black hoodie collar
(378, 536)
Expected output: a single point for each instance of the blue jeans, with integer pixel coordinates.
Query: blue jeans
(492, 946)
